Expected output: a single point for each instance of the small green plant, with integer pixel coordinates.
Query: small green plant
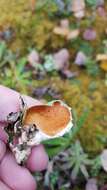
(92, 67)
(47, 6)
(13, 72)
(76, 160)
(52, 8)
(53, 179)
(2, 50)
(14, 75)
(49, 63)
(86, 48)
(72, 164)
(91, 2)
(96, 166)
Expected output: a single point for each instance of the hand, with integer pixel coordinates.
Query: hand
(13, 176)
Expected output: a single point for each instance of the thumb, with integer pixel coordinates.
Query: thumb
(10, 102)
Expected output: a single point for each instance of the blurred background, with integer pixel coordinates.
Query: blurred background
(57, 49)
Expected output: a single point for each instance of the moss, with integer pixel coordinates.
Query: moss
(30, 29)
(34, 30)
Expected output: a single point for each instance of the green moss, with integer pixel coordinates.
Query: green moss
(30, 29)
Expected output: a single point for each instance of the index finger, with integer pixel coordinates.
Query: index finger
(3, 186)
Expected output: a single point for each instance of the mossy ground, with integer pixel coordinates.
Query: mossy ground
(85, 91)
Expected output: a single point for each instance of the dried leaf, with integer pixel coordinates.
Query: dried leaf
(104, 187)
(101, 57)
(68, 74)
(92, 2)
(40, 91)
(64, 30)
(8, 34)
(49, 63)
(100, 3)
(78, 8)
(104, 160)
(103, 60)
(61, 31)
(104, 65)
(33, 58)
(91, 184)
(102, 12)
(64, 23)
(33, 5)
(61, 59)
(53, 93)
(73, 34)
(89, 34)
(80, 58)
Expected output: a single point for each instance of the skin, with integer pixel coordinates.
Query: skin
(2, 150)
(13, 176)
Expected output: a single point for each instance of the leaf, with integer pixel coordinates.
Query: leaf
(80, 122)
(46, 5)
(92, 67)
(61, 31)
(55, 142)
(77, 8)
(91, 184)
(101, 57)
(96, 166)
(89, 34)
(33, 58)
(53, 151)
(66, 32)
(104, 160)
(84, 171)
(21, 64)
(2, 49)
(75, 172)
(61, 59)
(91, 2)
(80, 58)
(86, 48)
(49, 63)
(67, 74)
(104, 65)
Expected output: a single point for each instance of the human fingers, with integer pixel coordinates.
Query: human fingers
(2, 150)
(9, 104)
(3, 134)
(4, 186)
(38, 160)
(15, 176)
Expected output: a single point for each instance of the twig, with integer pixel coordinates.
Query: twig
(33, 3)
